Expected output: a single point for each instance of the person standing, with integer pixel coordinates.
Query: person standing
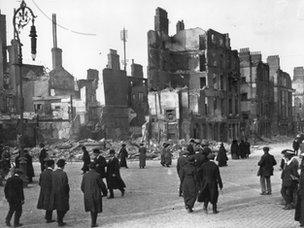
(242, 149)
(190, 147)
(45, 182)
(162, 154)
(222, 156)
(167, 156)
(299, 212)
(142, 156)
(188, 182)
(14, 194)
(123, 154)
(181, 161)
(265, 171)
(234, 149)
(86, 159)
(5, 161)
(29, 165)
(42, 156)
(289, 179)
(296, 145)
(93, 189)
(209, 179)
(247, 148)
(60, 192)
(100, 163)
(114, 180)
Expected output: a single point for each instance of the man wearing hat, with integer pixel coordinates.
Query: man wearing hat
(42, 156)
(45, 182)
(190, 147)
(60, 192)
(209, 179)
(114, 180)
(13, 191)
(290, 178)
(181, 161)
(142, 155)
(265, 171)
(123, 154)
(100, 163)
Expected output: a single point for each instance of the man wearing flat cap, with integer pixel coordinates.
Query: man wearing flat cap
(209, 179)
(60, 192)
(266, 164)
(13, 191)
(45, 182)
(100, 163)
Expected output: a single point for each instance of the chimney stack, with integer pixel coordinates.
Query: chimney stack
(56, 52)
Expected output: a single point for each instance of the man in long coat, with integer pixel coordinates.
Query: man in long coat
(234, 149)
(45, 182)
(190, 147)
(222, 156)
(209, 179)
(142, 156)
(14, 194)
(60, 192)
(265, 171)
(123, 154)
(181, 161)
(100, 163)
(299, 212)
(114, 180)
(42, 156)
(29, 165)
(93, 189)
(188, 183)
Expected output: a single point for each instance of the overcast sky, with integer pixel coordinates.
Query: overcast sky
(270, 26)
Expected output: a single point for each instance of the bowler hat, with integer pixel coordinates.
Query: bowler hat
(266, 148)
(96, 151)
(61, 162)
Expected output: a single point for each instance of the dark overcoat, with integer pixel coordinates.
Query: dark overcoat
(114, 180)
(190, 149)
(299, 212)
(290, 170)
(123, 154)
(29, 165)
(93, 187)
(181, 161)
(209, 179)
(45, 182)
(266, 165)
(142, 156)
(222, 157)
(242, 149)
(100, 164)
(13, 190)
(86, 162)
(60, 191)
(234, 149)
(200, 157)
(247, 148)
(167, 156)
(188, 183)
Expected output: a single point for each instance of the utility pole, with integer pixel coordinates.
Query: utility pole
(124, 37)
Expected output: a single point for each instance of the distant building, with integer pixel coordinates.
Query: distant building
(126, 102)
(282, 119)
(298, 97)
(203, 62)
(256, 94)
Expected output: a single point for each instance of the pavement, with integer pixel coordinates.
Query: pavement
(151, 199)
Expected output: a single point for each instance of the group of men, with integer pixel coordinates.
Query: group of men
(199, 176)
(240, 150)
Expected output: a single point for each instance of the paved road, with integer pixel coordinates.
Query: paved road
(151, 200)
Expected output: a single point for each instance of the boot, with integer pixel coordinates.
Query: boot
(214, 208)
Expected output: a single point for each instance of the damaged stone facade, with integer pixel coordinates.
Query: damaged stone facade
(126, 102)
(298, 98)
(282, 120)
(256, 94)
(203, 62)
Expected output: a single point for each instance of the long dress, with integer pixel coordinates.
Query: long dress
(222, 157)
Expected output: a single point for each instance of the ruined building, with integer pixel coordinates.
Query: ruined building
(298, 98)
(203, 63)
(125, 99)
(282, 120)
(256, 94)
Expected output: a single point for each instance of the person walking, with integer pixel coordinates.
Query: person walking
(234, 149)
(299, 212)
(42, 156)
(14, 194)
(167, 156)
(45, 183)
(191, 146)
(266, 171)
(209, 179)
(222, 156)
(114, 180)
(123, 155)
(86, 159)
(142, 156)
(93, 189)
(188, 182)
(162, 154)
(60, 192)
(100, 163)
(242, 149)
(181, 161)
(247, 148)
(29, 165)
(5, 162)
(296, 145)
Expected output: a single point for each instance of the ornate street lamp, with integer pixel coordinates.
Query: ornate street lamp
(22, 16)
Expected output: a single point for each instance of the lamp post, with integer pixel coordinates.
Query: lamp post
(22, 16)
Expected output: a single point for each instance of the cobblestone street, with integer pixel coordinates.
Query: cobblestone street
(151, 199)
